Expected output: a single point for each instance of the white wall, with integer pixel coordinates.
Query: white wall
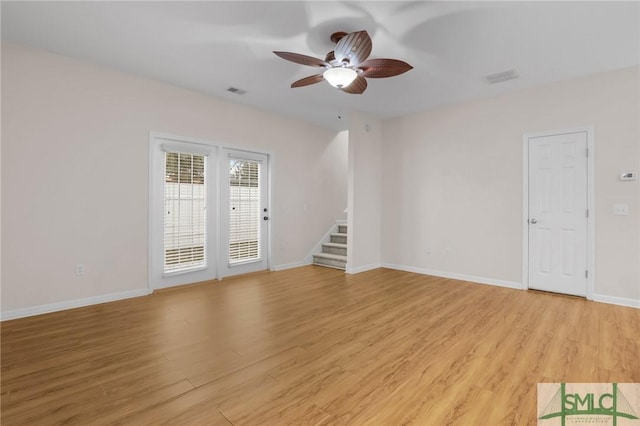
(452, 181)
(438, 191)
(364, 218)
(75, 141)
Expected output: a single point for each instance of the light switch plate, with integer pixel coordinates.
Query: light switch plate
(621, 209)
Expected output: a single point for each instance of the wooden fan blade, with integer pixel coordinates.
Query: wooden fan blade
(380, 68)
(312, 79)
(354, 47)
(356, 87)
(302, 59)
(330, 57)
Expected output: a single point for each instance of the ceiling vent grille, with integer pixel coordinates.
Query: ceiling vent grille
(502, 76)
(236, 91)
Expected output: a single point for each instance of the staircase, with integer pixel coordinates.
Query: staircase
(334, 253)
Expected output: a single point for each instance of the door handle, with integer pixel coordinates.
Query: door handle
(533, 221)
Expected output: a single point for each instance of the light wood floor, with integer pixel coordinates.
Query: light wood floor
(312, 346)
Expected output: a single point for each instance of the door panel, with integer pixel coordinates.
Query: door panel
(244, 212)
(182, 212)
(558, 213)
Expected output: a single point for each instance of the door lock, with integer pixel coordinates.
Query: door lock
(533, 221)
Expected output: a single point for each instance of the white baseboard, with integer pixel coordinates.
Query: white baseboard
(455, 276)
(364, 268)
(613, 300)
(70, 304)
(632, 303)
(290, 265)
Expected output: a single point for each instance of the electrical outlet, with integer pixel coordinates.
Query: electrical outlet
(628, 176)
(79, 269)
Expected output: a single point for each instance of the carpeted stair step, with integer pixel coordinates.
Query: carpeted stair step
(335, 248)
(331, 260)
(339, 238)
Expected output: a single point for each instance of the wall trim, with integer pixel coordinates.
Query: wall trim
(71, 304)
(614, 300)
(292, 265)
(601, 298)
(455, 276)
(112, 297)
(364, 268)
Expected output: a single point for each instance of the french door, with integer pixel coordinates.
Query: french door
(208, 211)
(244, 212)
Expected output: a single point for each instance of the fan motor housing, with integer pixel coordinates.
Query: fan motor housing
(335, 37)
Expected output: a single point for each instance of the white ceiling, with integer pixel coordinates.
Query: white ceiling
(210, 46)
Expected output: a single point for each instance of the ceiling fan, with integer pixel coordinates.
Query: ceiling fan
(347, 66)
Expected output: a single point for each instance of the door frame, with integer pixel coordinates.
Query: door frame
(590, 202)
(156, 197)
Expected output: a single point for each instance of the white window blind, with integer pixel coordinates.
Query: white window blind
(244, 211)
(185, 245)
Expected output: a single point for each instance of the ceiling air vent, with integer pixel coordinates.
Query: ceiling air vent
(502, 76)
(236, 91)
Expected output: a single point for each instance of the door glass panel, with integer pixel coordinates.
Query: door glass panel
(184, 212)
(244, 211)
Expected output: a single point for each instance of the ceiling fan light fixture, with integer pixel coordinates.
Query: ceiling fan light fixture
(340, 77)
(346, 67)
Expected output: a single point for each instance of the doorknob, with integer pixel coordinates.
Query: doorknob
(533, 221)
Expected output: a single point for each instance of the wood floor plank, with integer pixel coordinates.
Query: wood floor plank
(311, 346)
(206, 397)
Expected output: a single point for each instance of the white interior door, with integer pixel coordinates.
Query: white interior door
(558, 213)
(244, 212)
